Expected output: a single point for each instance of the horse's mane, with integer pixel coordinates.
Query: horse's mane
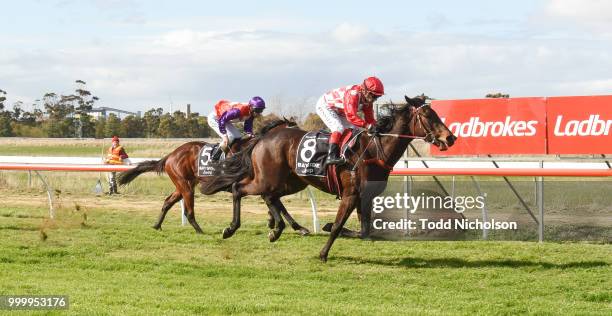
(274, 123)
(385, 122)
(240, 165)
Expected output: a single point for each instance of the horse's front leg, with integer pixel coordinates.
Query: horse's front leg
(347, 206)
(236, 198)
(345, 232)
(364, 215)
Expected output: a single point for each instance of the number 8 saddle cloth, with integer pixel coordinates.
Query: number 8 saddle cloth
(313, 148)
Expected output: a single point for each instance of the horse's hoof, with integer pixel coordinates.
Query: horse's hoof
(350, 233)
(304, 231)
(272, 236)
(156, 227)
(323, 257)
(227, 233)
(327, 227)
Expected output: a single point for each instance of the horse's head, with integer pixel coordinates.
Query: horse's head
(425, 122)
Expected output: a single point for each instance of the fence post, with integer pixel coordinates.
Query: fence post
(540, 199)
(407, 190)
(313, 205)
(183, 215)
(49, 194)
(485, 212)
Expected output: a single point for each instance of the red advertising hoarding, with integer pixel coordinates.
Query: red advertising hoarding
(494, 126)
(579, 125)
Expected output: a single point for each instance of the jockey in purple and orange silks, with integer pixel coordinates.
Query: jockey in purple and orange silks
(339, 110)
(220, 120)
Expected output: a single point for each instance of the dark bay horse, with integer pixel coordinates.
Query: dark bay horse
(267, 166)
(180, 166)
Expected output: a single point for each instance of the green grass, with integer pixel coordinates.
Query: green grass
(154, 148)
(109, 261)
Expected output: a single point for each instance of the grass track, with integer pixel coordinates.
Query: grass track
(112, 262)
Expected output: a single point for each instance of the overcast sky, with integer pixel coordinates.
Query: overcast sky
(138, 54)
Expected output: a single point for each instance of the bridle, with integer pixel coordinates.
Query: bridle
(417, 118)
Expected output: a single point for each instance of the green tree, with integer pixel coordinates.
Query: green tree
(60, 111)
(497, 95)
(197, 126)
(263, 120)
(151, 122)
(5, 117)
(204, 129)
(132, 126)
(112, 126)
(17, 110)
(100, 128)
(180, 123)
(2, 99)
(6, 129)
(84, 103)
(166, 126)
(312, 122)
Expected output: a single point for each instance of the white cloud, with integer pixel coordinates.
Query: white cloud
(586, 87)
(350, 33)
(586, 11)
(592, 15)
(200, 65)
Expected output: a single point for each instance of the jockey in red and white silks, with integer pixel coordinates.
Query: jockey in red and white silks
(339, 110)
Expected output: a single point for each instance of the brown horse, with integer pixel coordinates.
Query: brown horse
(180, 166)
(267, 166)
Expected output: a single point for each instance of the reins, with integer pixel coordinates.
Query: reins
(430, 138)
(402, 136)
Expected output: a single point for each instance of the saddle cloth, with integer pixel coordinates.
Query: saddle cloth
(313, 148)
(207, 167)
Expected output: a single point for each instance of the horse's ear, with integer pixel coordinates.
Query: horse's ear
(409, 101)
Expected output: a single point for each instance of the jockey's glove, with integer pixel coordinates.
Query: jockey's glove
(373, 130)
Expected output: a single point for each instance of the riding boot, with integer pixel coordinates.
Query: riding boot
(333, 157)
(216, 154)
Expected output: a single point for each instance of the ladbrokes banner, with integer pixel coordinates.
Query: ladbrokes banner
(494, 126)
(556, 125)
(579, 125)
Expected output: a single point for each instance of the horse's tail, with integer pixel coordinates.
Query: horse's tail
(145, 166)
(235, 168)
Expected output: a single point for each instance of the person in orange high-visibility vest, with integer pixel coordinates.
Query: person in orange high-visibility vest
(116, 156)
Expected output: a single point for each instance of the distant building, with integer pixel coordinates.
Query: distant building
(104, 111)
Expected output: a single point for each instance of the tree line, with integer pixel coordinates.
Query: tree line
(68, 116)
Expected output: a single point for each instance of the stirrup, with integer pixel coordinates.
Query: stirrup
(217, 154)
(335, 161)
